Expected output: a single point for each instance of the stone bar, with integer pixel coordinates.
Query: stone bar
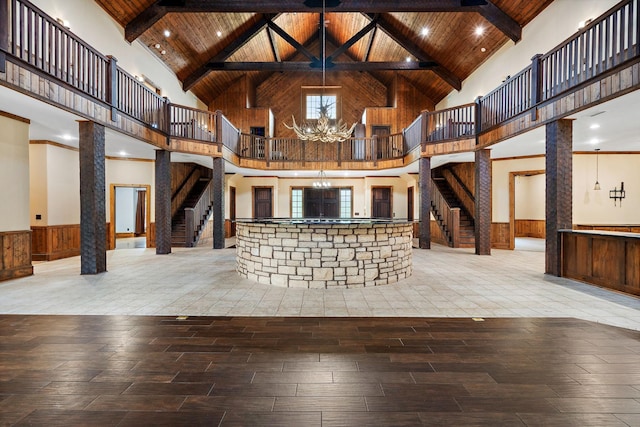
(322, 255)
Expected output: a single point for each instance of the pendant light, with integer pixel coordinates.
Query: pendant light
(597, 185)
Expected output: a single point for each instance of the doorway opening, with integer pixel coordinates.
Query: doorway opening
(130, 223)
(527, 210)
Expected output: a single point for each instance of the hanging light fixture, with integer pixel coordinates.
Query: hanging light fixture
(597, 185)
(322, 130)
(321, 182)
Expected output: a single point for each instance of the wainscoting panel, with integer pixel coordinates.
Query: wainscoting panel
(530, 228)
(15, 254)
(55, 242)
(500, 235)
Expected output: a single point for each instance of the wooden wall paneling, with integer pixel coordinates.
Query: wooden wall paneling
(15, 254)
(500, 235)
(569, 252)
(151, 235)
(111, 236)
(603, 251)
(632, 276)
(530, 228)
(466, 173)
(609, 227)
(436, 234)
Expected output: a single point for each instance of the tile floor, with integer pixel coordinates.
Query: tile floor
(201, 281)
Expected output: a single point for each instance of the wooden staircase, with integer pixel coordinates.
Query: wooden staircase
(179, 236)
(466, 228)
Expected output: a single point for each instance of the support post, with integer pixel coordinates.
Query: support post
(425, 203)
(483, 202)
(163, 202)
(559, 195)
(218, 203)
(536, 85)
(93, 252)
(112, 87)
(5, 24)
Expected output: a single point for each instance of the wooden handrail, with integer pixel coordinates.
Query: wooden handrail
(196, 216)
(451, 124)
(448, 217)
(460, 189)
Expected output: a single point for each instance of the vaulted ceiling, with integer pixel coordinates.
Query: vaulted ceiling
(433, 43)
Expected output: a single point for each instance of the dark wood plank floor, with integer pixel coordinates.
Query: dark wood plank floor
(163, 371)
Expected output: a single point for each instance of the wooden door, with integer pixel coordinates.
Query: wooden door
(232, 211)
(382, 144)
(381, 202)
(321, 202)
(410, 204)
(262, 202)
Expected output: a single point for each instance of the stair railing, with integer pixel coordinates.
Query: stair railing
(461, 191)
(197, 215)
(447, 217)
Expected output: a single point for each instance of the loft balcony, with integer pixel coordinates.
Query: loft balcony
(596, 64)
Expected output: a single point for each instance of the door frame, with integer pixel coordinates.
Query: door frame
(512, 202)
(112, 212)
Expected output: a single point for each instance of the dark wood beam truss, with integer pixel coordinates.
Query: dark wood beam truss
(317, 66)
(413, 49)
(157, 10)
(227, 51)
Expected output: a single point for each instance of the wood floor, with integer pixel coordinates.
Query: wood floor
(166, 371)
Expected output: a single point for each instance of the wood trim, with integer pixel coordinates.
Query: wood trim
(530, 156)
(53, 242)
(512, 202)
(530, 228)
(15, 254)
(125, 235)
(112, 211)
(14, 117)
(606, 152)
(129, 159)
(52, 143)
(500, 235)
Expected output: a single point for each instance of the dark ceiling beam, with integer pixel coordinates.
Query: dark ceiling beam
(501, 21)
(334, 66)
(144, 21)
(274, 45)
(444, 73)
(370, 44)
(227, 51)
(293, 42)
(353, 40)
(281, 6)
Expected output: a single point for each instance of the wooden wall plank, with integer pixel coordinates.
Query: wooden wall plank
(15, 254)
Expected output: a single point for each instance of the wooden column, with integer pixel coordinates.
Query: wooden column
(559, 212)
(425, 203)
(483, 202)
(4, 34)
(163, 202)
(218, 203)
(93, 252)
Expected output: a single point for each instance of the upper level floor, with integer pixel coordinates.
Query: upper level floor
(43, 59)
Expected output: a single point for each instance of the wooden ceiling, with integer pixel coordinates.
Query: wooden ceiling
(214, 42)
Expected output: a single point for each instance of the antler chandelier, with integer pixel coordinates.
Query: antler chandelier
(322, 130)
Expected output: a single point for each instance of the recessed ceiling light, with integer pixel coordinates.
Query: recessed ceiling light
(479, 31)
(594, 141)
(594, 126)
(408, 59)
(67, 137)
(123, 153)
(483, 49)
(163, 52)
(157, 45)
(167, 33)
(425, 31)
(219, 33)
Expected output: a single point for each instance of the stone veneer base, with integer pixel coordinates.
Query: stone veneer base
(324, 255)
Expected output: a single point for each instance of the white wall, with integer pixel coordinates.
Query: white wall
(530, 197)
(38, 195)
(555, 24)
(93, 25)
(125, 209)
(595, 207)
(589, 206)
(282, 193)
(129, 172)
(63, 186)
(14, 175)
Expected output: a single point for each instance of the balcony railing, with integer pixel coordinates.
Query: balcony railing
(33, 38)
(295, 150)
